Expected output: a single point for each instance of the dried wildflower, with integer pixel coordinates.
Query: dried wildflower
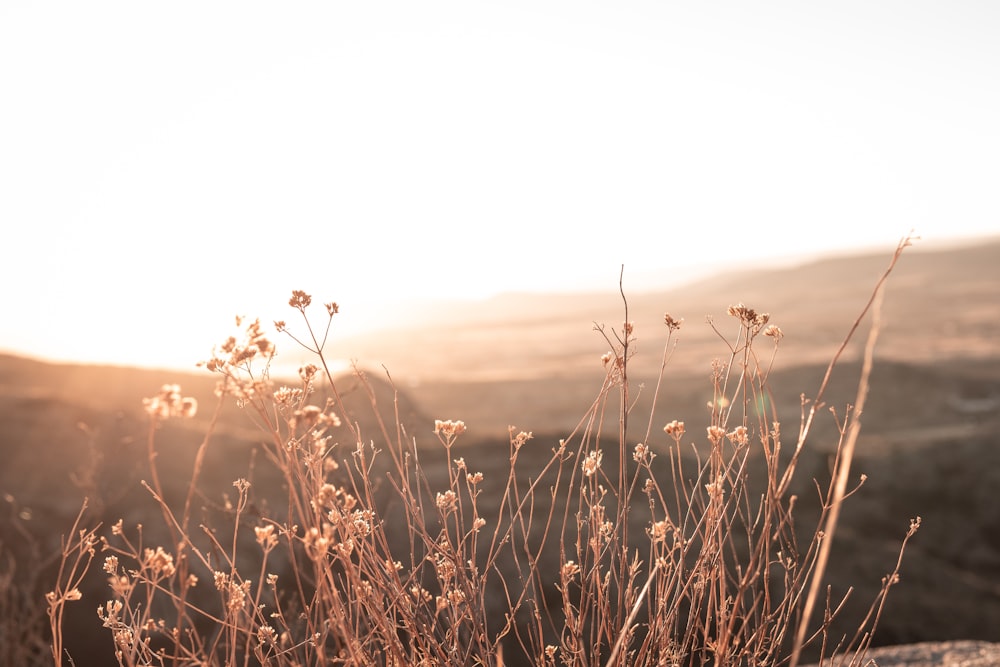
(361, 522)
(158, 562)
(460, 463)
(518, 440)
(715, 489)
(774, 332)
(628, 328)
(606, 358)
(478, 524)
(266, 635)
(69, 596)
(111, 564)
(606, 530)
(317, 543)
(326, 494)
(124, 638)
(307, 417)
(674, 429)
(749, 317)
(365, 589)
(234, 354)
(447, 501)
(641, 454)
(266, 537)
(716, 433)
(671, 323)
(332, 308)
(299, 300)
(280, 326)
(287, 397)
(256, 343)
(348, 501)
(236, 594)
(474, 478)
(659, 530)
(592, 462)
(445, 568)
(449, 429)
(110, 612)
(120, 585)
(345, 548)
(420, 594)
(569, 570)
(169, 403)
(739, 436)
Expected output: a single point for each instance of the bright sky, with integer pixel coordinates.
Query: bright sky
(165, 166)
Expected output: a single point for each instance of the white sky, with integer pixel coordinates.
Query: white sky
(164, 166)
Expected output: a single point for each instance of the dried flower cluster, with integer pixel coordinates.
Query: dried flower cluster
(592, 463)
(170, 403)
(237, 353)
(749, 317)
(449, 429)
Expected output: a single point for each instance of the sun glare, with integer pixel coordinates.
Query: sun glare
(386, 157)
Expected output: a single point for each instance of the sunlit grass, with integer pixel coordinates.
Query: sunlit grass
(653, 546)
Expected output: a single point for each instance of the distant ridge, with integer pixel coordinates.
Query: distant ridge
(939, 305)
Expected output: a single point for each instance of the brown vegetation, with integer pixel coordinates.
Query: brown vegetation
(612, 552)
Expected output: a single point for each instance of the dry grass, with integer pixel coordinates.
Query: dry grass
(656, 549)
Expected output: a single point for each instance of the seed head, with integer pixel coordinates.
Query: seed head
(659, 530)
(158, 562)
(592, 462)
(447, 501)
(569, 570)
(641, 453)
(671, 323)
(266, 537)
(739, 436)
(449, 429)
(519, 439)
(674, 429)
(749, 317)
(299, 300)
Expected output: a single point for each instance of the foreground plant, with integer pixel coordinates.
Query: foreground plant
(672, 548)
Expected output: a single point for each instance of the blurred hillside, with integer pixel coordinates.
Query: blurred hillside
(533, 360)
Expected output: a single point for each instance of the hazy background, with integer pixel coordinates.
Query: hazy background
(163, 168)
